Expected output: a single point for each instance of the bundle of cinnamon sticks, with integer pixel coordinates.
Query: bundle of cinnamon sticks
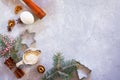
(12, 66)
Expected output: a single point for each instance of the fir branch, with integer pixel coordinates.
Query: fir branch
(69, 64)
(58, 60)
(15, 49)
(17, 44)
(63, 74)
(61, 69)
(50, 74)
(13, 54)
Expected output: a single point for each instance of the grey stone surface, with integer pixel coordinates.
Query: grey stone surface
(85, 30)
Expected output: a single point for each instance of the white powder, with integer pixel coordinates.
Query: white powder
(31, 59)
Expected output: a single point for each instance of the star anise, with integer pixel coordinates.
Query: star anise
(18, 8)
(11, 24)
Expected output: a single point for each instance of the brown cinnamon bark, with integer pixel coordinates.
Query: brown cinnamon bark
(10, 63)
(19, 73)
(12, 66)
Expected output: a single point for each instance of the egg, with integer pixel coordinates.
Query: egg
(26, 17)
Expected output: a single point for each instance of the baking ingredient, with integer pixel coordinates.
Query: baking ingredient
(11, 24)
(18, 8)
(41, 69)
(26, 17)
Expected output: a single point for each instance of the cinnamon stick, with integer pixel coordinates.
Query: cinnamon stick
(10, 63)
(19, 73)
(12, 66)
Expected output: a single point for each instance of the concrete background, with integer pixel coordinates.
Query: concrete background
(85, 30)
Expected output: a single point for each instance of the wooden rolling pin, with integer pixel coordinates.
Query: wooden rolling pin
(36, 9)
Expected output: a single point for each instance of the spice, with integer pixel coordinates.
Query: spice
(19, 73)
(10, 63)
(41, 69)
(18, 8)
(12, 66)
(11, 24)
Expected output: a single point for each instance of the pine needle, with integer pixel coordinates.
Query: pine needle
(62, 69)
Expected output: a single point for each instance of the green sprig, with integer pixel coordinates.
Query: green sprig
(62, 69)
